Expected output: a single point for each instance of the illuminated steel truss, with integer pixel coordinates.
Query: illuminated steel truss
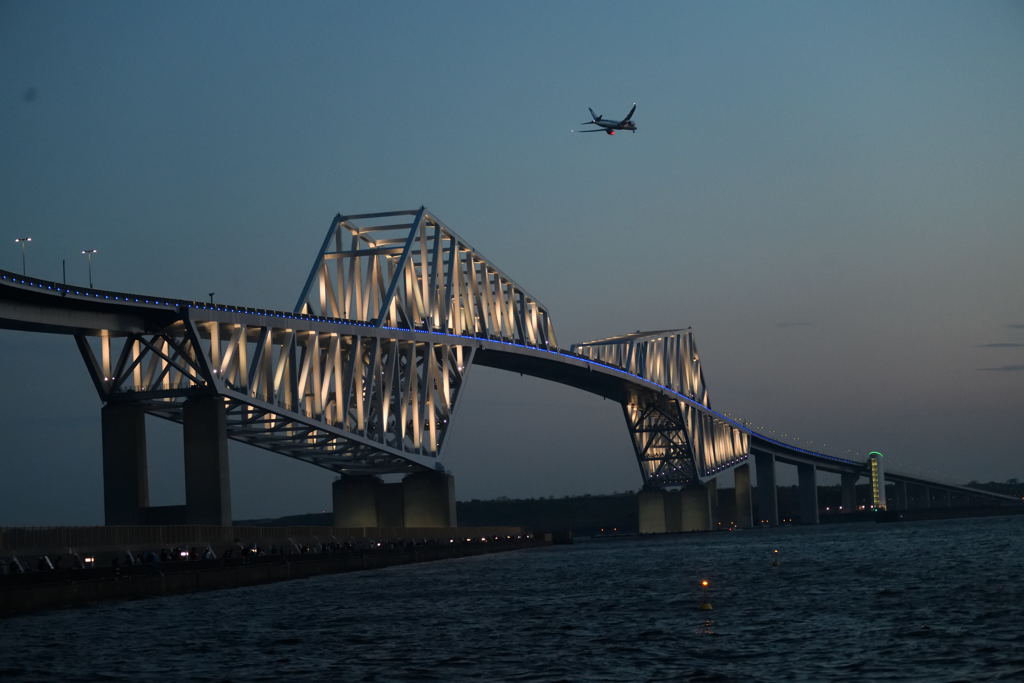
(365, 375)
(418, 274)
(676, 442)
(349, 382)
(339, 395)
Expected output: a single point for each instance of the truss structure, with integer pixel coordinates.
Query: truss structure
(348, 382)
(344, 397)
(675, 441)
(365, 375)
(408, 270)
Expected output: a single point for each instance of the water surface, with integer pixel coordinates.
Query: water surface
(922, 601)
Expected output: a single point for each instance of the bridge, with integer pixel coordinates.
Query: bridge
(365, 374)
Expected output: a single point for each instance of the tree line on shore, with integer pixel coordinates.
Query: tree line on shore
(613, 513)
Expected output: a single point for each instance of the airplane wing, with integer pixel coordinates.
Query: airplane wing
(596, 130)
(630, 114)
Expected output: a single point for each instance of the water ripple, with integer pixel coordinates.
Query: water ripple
(929, 601)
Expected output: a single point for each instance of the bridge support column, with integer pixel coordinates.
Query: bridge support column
(849, 491)
(807, 476)
(744, 503)
(715, 512)
(391, 505)
(652, 514)
(125, 470)
(926, 497)
(207, 485)
(355, 501)
(429, 500)
(767, 496)
(899, 498)
(673, 512)
(696, 508)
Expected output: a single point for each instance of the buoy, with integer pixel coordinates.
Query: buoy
(775, 557)
(705, 604)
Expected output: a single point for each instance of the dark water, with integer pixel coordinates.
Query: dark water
(924, 601)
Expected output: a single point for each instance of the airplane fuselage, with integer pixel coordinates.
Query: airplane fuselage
(612, 126)
(609, 126)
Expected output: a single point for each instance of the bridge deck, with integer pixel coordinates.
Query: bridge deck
(36, 305)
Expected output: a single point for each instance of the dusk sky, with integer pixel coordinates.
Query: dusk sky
(830, 193)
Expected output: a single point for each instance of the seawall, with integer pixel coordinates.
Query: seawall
(177, 560)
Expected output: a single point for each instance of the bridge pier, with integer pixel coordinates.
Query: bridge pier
(661, 512)
(673, 511)
(652, 515)
(926, 497)
(744, 502)
(807, 477)
(422, 499)
(849, 491)
(125, 468)
(391, 505)
(695, 506)
(207, 483)
(429, 499)
(767, 495)
(355, 501)
(713, 502)
(899, 498)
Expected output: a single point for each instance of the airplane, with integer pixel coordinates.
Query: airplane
(609, 126)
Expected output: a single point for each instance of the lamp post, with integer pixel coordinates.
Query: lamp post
(88, 254)
(23, 241)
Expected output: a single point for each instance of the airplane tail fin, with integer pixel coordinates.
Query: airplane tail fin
(593, 115)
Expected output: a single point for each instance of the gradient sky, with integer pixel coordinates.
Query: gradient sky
(830, 193)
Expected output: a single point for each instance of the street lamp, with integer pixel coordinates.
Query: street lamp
(88, 254)
(23, 241)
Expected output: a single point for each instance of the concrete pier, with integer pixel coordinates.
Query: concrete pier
(899, 498)
(807, 476)
(926, 497)
(744, 500)
(849, 491)
(651, 516)
(391, 505)
(355, 501)
(695, 502)
(661, 512)
(716, 512)
(207, 484)
(421, 500)
(125, 469)
(673, 511)
(429, 500)
(767, 496)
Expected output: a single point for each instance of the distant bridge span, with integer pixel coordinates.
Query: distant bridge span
(364, 375)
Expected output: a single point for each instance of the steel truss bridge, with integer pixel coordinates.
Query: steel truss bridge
(365, 374)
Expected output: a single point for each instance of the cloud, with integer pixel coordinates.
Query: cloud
(1001, 345)
(1004, 368)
